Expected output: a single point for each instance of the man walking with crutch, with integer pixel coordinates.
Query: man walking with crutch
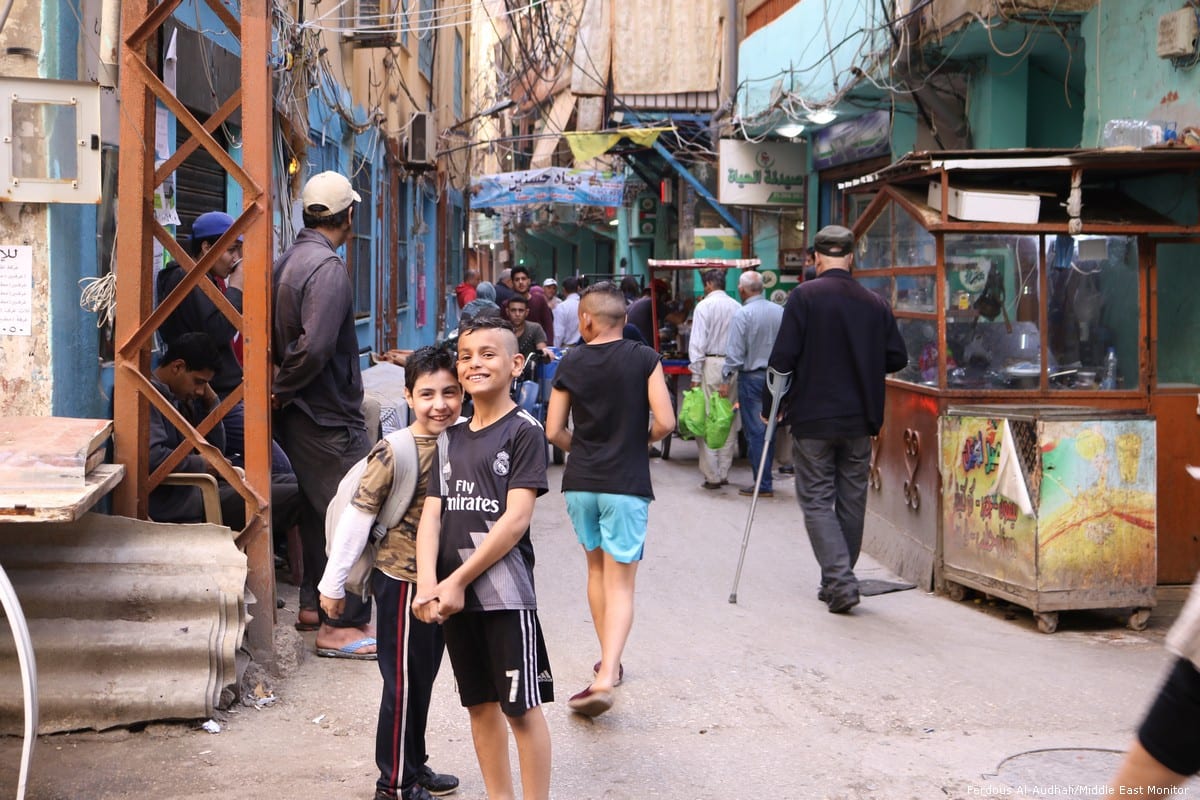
(839, 340)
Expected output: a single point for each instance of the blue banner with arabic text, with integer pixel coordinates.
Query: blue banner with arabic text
(550, 185)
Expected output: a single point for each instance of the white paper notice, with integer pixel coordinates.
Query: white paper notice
(16, 290)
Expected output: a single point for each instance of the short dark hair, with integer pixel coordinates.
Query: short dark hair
(714, 276)
(518, 271)
(332, 221)
(517, 298)
(427, 361)
(605, 299)
(483, 322)
(194, 244)
(570, 284)
(197, 350)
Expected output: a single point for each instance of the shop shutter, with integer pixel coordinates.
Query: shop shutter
(199, 181)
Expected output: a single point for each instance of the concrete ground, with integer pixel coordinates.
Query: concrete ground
(910, 696)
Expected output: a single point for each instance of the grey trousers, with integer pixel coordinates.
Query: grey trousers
(321, 456)
(831, 486)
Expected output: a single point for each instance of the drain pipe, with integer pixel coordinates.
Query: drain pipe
(729, 60)
(110, 42)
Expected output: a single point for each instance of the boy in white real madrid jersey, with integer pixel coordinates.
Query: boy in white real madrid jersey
(475, 563)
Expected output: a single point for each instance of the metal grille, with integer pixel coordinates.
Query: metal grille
(1025, 435)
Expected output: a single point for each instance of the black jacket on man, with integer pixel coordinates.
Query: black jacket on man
(198, 314)
(839, 340)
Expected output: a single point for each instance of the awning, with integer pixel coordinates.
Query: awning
(704, 263)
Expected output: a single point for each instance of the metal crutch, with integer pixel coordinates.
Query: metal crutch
(778, 383)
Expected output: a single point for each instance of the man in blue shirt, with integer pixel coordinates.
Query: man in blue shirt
(752, 333)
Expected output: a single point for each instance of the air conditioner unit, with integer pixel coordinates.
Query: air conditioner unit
(422, 140)
(370, 24)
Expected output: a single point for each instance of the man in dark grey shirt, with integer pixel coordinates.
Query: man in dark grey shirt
(318, 392)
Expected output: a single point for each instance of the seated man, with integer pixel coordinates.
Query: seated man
(182, 377)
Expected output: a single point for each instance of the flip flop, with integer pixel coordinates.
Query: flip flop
(348, 651)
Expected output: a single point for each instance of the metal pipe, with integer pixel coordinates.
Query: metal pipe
(778, 384)
(110, 42)
(729, 67)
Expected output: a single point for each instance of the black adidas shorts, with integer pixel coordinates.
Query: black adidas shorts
(499, 657)
(1171, 730)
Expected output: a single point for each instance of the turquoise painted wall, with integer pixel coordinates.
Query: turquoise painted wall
(1179, 314)
(1055, 118)
(1126, 79)
(998, 104)
(794, 48)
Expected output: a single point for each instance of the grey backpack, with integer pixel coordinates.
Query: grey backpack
(404, 486)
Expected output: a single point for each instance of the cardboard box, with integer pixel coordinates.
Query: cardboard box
(982, 205)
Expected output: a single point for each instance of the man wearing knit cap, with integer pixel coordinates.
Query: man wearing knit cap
(318, 392)
(839, 340)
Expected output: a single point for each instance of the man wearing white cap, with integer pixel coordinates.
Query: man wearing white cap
(550, 288)
(318, 392)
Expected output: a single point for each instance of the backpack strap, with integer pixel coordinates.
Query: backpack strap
(407, 469)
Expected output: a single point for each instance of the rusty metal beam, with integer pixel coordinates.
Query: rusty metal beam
(137, 319)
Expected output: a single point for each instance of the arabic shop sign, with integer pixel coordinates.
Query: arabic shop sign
(550, 185)
(868, 136)
(762, 173)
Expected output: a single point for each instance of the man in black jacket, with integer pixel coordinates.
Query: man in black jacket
(839, 341)
(318, 392)
(199, 314)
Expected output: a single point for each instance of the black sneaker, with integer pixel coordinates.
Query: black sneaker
(840, 604)
(824, 594)
(436, 783)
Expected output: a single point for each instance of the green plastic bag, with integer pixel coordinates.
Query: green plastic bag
(719, 422)
(692, 414)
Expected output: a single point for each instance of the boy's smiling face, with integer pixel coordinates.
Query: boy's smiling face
(488, 361)
(436, 400)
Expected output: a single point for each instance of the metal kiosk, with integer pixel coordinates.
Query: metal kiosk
(1050, 507)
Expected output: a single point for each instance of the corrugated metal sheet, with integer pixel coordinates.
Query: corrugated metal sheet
(131, 621)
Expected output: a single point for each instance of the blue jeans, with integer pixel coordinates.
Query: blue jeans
(750, 391)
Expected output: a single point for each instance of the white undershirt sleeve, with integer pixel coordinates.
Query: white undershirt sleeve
(349, 540)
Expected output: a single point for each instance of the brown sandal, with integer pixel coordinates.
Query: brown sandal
(304, 625)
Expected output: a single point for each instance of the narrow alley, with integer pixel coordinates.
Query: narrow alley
(910, 697)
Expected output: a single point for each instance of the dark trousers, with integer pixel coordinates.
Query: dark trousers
(321, 456)
(750, 390)
(831, 485)
(235, 443)
(410, 652)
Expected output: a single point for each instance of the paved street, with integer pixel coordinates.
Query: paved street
(910, 696)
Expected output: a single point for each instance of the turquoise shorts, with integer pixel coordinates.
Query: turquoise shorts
(615, 523)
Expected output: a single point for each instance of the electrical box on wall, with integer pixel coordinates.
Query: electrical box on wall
(422, 140)
(49, 141)
(645, 223)
(1177, 33)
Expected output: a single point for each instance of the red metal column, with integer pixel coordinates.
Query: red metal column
(138, 319)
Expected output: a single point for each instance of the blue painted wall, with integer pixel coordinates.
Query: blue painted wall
(74, 338)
